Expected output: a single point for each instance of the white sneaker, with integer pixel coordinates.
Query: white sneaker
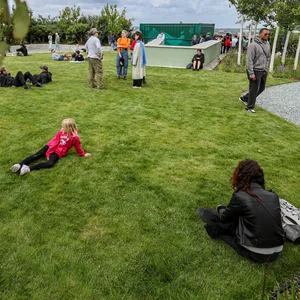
(250, 110)
(15, 168)
(25, 169)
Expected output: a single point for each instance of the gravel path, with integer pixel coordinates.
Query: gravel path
(282, 100)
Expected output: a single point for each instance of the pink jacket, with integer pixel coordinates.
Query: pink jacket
(62, 143)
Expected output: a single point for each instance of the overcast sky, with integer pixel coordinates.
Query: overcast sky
(150, 11)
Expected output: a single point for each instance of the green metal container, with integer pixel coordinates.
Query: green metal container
(176, 34)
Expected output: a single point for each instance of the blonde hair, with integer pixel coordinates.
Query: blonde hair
(124, 31)
(69, 126)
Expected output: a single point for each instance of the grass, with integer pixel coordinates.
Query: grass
(122, 224)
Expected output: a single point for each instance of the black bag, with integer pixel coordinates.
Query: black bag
(189, 66)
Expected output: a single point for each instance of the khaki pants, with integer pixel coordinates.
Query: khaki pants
(95, 70)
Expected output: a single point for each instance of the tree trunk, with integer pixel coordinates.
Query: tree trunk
(255, 29)
(285, 48)
(297, 55)
(250, 33)
(274, 49)
(240, 42)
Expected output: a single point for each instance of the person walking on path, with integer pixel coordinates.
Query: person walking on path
(50, 41)
(138, 61)
(57, 148)
(57, 42)
(112, 39)
(122, 55)
(258, 57)
(95, 56)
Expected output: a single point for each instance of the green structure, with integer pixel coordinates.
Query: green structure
(176, 34)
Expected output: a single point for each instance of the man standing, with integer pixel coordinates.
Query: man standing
(50, 41)
(258, 57)
(57, 42)
(93, 47)
(112, 39)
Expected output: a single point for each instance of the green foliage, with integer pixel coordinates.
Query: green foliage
(229, 64)
(287, 13)
(18, 27)
(78, 32)
(258, 10)
(122, 223)
(111, 20)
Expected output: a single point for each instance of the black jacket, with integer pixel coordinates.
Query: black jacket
(200, 57)
(43, 77)
(23, 49)
(6, 80)
(259, 223)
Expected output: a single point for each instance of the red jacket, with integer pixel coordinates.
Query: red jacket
(132, 45)
(62, 143)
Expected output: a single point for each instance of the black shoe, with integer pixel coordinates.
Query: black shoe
(26, 87)
(38, 85)
(245, 102)
(125, 77)
(118, 77)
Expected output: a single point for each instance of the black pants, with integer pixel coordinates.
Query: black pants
(137, 82)
(227, 232)
(40, 154)
(19, 80)
(28, 75)
(256, 87)
(255, 257)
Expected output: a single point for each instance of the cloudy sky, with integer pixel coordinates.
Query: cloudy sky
(150, 11)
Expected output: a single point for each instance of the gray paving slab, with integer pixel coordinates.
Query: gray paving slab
(282, 100)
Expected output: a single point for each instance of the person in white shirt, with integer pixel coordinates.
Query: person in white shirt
(161, 36)
(50, 41)
(234, 42)
(93, 47)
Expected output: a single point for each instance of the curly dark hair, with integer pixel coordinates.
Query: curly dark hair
(245, 173)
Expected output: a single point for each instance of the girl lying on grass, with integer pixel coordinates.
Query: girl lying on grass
(58, 147)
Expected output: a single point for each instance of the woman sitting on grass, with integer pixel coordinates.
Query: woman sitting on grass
(251, 223)
(198, 60)
(58, 147)
(256, 211)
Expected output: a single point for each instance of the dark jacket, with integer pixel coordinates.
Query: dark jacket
(6, 80)
(259, 223)
(79, 58)
(43, 77)
(200, 57)
(23, 49)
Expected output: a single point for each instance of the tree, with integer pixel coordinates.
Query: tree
(67, 17)
(287, 15)
(111, 20)
(17, 25)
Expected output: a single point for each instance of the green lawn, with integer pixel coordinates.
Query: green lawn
(122, 224)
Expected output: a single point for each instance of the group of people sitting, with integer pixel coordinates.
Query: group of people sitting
(77, 56)
(21, 80)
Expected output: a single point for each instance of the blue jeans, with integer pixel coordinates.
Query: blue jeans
(124, 54)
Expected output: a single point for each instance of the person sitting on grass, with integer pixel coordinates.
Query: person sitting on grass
(39, 79)
(198, 60)
(78, 56)
(22, 51)
(58, 147)
(6, 80)
(251, 221)
(60, 57)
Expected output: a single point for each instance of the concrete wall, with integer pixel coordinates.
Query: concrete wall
(178, 57)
